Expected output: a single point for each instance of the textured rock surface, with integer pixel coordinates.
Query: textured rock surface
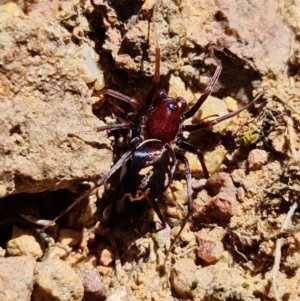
(23, 242)
(56, 280)
(244, 28)
(93, 286)
(220, 202)
(17, 278)
(42, 100)
(128, 50)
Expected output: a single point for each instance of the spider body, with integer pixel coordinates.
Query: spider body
(149, 164)
(148, 167)
(149, 171)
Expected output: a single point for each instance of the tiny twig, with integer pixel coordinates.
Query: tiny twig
(277, 257)
(276, 268)
(240, 253)
(187, 251)
(288, 218)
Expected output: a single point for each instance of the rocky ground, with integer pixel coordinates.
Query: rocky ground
(243, 240)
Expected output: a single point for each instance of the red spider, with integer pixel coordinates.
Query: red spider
(149, 164)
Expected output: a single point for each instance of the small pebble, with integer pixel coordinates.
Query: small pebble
(257, 158)
(23, 242)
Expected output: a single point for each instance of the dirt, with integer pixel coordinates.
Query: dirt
(243, 240)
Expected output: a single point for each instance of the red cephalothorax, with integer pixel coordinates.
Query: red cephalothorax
(164, 117)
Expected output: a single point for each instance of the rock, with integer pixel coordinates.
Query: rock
(249, 35)
(257, 158)
(17, 278)
(91, 71)
(104, 270)
(94, 289)
(211, 109)
(220, 200)
(237, 175)
(106, 255)
(43, 99)
(69, 237)
(210, 247)
(84, 216)
(56, 280)
(122, 294)
(128, 49)
(182, 277)
(23, 242)
(178, 88)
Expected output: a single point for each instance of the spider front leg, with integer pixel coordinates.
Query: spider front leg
(187, 170)
(102, 180)
(208, 124)
(193, 110)
(155, 81)
(193, 149)
(131, 101)
(121, 126)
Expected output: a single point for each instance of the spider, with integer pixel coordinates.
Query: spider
(148, 166)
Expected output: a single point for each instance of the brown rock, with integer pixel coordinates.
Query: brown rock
(182, 277)
(220, 203)
(42, 100)
(17, 278)
(23, 242)
(106, 255)
(128, 49)
(250, 34)
(237, 175)
(94, 289)
(56, 280)
(210, 247)
(257, 158)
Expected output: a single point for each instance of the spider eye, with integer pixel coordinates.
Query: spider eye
(172, 106)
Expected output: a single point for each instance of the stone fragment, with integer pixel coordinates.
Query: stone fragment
(182, 277)
(219, 201)
(257, 158)
(210, 248)
(17, 278)
(122, 294)
(106, 255)
(94, 289)
(237, 175)
(69, 237)
(56, 280)
(23, 242)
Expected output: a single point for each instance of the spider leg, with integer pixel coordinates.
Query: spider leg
(156, 78)
(114, 203)
(131, 101)
(192, 111)
(208, 124)
(187, 169)
(193, 149)
(157, 211)
(113, 127)
(102, 180)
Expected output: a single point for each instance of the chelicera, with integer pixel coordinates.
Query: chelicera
(148, 166)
